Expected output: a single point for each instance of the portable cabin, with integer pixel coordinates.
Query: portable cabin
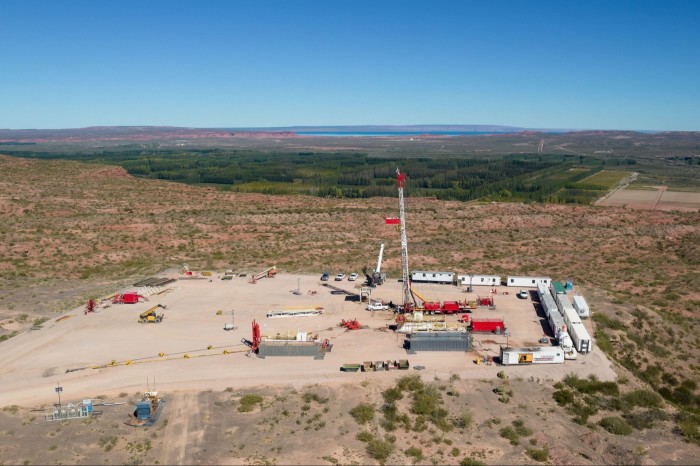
(527, 282)
(432, 277)
(479, 280)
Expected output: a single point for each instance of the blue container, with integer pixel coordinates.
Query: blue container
(143, 409)
(87, 406)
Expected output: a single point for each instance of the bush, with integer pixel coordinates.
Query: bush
(521, 429)
(380, 449)
(471, 462)
(643, 398)
(510, 434)
(464, 420)
(615, 425)
(538, 454)
(365, 436)
(563, 397)
(410, 383)
(416, 453)
(363, 413)
(391, 395)
(248, 402)
(645, 419)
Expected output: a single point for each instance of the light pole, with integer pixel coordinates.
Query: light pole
(58, 390)
(507, 334)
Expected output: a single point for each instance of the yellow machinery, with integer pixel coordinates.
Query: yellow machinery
(150, 316)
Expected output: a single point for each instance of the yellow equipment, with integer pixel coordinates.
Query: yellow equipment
(150, 316)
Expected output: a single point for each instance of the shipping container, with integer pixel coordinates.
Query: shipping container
(556, 322)
(479, 280)
(527, 282)
(534, 355)
(483, 325)
(432, 277)
(547, 301)
(438, 341)
(581, 307)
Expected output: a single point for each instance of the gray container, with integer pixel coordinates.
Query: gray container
(438, 341)
(289, 348)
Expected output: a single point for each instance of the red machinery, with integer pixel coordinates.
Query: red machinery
(484, 300)
(255, 342)
(350, 324)
(128, 298)
(481, 325)
(90, 306)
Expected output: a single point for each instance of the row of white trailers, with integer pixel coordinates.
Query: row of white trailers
(563, 318)
(448, 278)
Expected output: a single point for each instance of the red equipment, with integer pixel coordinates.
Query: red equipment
(255, 342)
(481, 325)
(350, 324)
(484, 300)
(128, 298)
(90, 306)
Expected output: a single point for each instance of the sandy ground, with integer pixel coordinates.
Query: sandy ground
(34, 361)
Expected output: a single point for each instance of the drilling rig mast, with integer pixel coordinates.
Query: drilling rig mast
(407, 306)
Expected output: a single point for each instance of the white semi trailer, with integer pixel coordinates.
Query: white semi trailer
(534, 355)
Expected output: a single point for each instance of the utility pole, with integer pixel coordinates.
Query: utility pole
(58, 390)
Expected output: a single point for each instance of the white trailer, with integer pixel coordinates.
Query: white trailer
(432, 277)
(581, 307)
(479, 280)
(556, 323)
(534, 355)
(579, 334)
(527, 282)
(546, 300)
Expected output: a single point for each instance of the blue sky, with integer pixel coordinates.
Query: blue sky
(536, 64)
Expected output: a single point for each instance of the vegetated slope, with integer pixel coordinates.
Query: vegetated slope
(409, 421)
(71, 230)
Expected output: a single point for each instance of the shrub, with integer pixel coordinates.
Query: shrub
(365, 436)
(410, 383)
(645, 419)
(538, 454)
(248, 402)
(468, 461)
(643, 398)
(615, 425)
(416, 453)
(563, 397)
(510, 434)
(464, 420)
(363, 413)
(391, 395)
(380, 449)
(521, 429)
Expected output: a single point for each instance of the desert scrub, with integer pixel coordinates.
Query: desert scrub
(107, 443)
(415, 453)
(615, 425)
(538, 454)
(248, 402)
(380, 449)
(362, 413)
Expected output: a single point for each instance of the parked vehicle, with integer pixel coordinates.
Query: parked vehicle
(325, 276)
(377, 306)
(523, 294)
(353, 276)
(340, 277)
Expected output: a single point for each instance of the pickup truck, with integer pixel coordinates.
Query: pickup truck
(377, 307)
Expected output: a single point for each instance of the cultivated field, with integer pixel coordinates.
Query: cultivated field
(658, 198)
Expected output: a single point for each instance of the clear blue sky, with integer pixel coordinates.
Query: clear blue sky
(539, 64)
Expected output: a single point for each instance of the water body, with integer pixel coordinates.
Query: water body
(397, 133)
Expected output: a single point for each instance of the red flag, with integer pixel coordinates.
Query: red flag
(392, 221)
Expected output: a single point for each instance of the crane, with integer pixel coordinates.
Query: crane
(377, 276)
(407, 305)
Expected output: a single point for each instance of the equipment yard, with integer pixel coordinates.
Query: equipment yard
(108, 351)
